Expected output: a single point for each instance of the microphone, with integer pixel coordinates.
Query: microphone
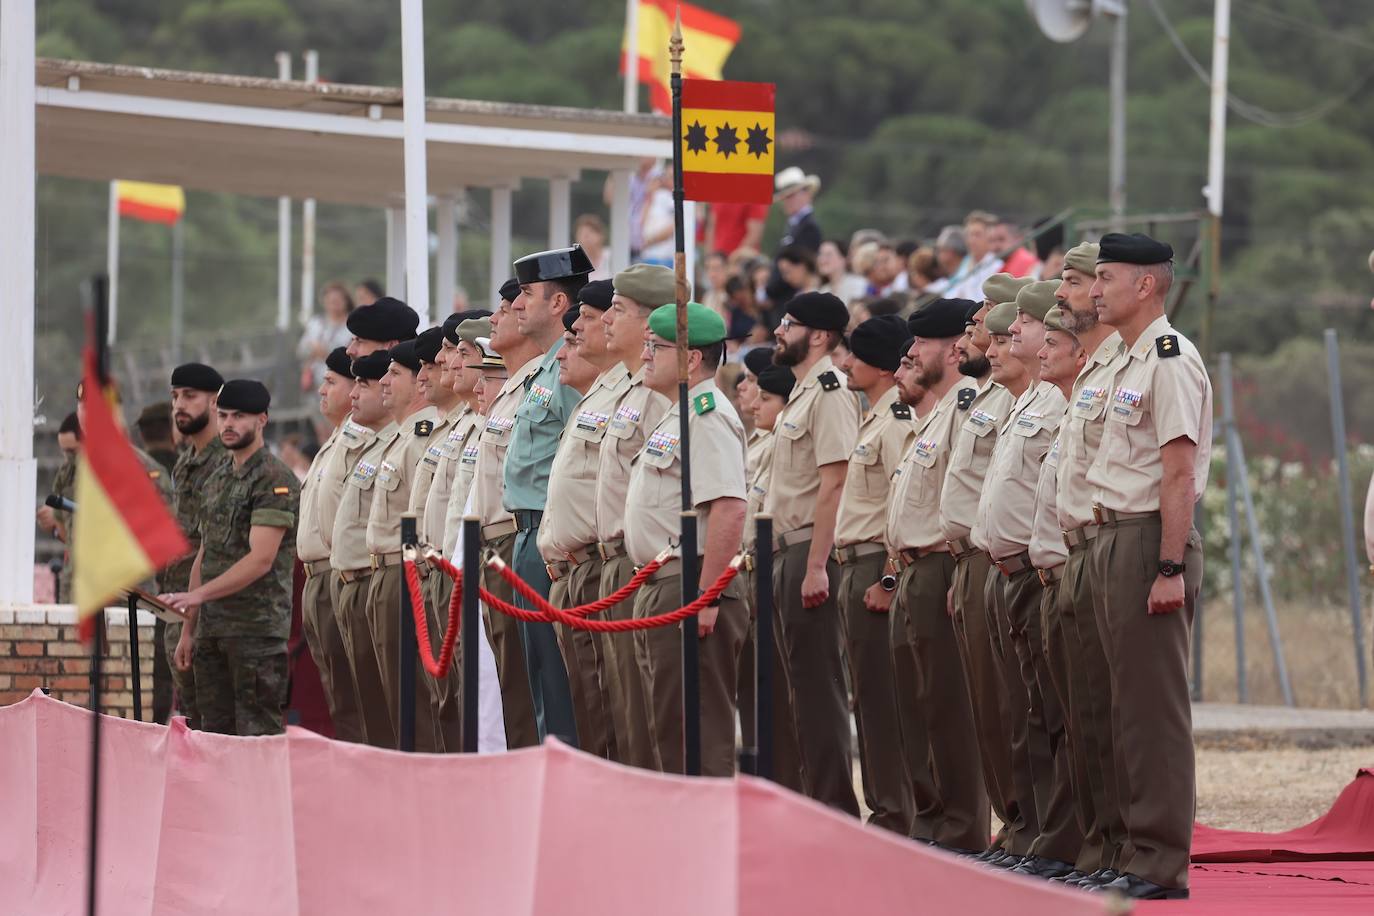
(59, 502)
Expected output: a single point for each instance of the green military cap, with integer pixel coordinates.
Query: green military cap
(999, 318)
(472, 328)
(1004, 287)
(1083, 258)
(704, 325)
(647, 284)
(1036, 299)
(1054, 321)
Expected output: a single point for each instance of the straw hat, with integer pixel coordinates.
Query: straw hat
(793, 179)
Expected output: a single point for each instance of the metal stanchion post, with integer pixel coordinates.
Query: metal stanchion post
(763, 645)
(406, 693)
(134, 660)
(472, 580)
(691, 654)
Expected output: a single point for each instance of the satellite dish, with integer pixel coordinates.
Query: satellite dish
(1062, 20)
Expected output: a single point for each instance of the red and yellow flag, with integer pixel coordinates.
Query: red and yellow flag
(123, 531)
(707, 40)
(152, 203)
(727, 143)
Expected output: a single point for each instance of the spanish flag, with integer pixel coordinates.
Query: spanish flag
(152, 203)
(707, 40)
(727, 143)
(123, 531)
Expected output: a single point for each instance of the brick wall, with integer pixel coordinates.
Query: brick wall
(39, 647)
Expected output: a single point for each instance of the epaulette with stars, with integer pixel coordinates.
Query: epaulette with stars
(424, 427)
(966, 396)
(1166, 346)
(901, 411)
(828, 381)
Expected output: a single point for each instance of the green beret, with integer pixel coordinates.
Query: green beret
(1004, 287)
(999, 318)
(1036, 299)
(704, 325)
(473, 328)
(647, 284)
(1054, 321)
(1082, 258)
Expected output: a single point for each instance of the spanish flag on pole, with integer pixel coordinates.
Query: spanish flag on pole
(152, 203)
(707, 38)
(123, 531)
(727, 143)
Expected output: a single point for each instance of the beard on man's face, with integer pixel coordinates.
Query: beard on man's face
(790, 353)
(975, 366)
(931, 375)
(243, 441)
(189, 426)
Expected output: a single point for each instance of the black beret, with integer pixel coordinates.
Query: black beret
(758, 359)
(198, 376)
(569, 317)
(406, 354)
(386, 319)
(372, 366)
(1135, 248)
(450, 325)
(510, 289)
(555, 264)
(597, 294)
(244, 394)
(821, 311)
(778, 380)
(877, 342)
(428, 344)
(941, 318)
(339, 362)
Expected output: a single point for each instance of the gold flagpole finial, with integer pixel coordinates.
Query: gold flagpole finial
(675, 44)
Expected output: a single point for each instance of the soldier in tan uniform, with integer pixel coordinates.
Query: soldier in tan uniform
(971, 451)
(957, 816)
(875, 355)
(813, 440)
(318, 620)
(638, 290)
(651, 524)
(522, 357)
(567, 532)
(1146, 562)
(466, 362)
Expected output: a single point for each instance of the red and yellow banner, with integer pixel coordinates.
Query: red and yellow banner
(728, 140)
(707, 40)
(153, 203)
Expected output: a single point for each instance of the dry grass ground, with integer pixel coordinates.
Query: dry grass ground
(1272, 789)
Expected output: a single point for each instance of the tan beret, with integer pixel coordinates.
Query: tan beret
(1004, 287)
(1036, 299)
(647, 284)
(472, 328)
(998, 320)
(1082, 258)
(1054, 321)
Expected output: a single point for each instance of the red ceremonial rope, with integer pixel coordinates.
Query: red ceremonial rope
(437, 669)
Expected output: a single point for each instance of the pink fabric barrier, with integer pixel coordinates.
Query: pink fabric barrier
(199, 823)
(1346, 831)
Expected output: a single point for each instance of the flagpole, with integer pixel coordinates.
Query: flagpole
(691, 692)
(112, 268)
(631, 56)
(98, 303)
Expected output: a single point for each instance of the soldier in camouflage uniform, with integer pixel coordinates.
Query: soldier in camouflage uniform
(240, 596)
(58, 522)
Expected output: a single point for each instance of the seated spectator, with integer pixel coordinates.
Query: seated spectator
(714, 297)
(951, 254)
(1049, 248)
(797, 267)
(924, 273)
(862, 237)
(1008, 241)
(981, 261)
(324, 332)
(590, 232)
(883, 273)
(658, 224)
(367, 292)
(832, 264)
(731, 226)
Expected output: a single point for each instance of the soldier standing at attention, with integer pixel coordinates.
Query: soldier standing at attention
(814, 437)
(348, 554)
(652, 522)
(414, 419)
(465, 366)
(380, 326)
(239, 602)
(318, 619)
(875, 354)
(637, 291)
(567, 534)
(522, 360)
(1146, 562)
(194, 388)
(957, 816)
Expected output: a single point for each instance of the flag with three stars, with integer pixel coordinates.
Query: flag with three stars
(727, 143)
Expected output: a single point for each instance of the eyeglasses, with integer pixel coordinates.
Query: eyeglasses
(788, 323)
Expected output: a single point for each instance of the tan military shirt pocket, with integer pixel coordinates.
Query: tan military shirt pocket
(1129, 437)
(388, 476)
(924, 482)
(1031, 436)
(871, 480)
(979, 424)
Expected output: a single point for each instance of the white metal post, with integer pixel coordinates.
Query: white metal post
(1116, 155)
(417, 192)
(560, 212)
(446, 266)
(312, 75)
(283, 229)
(620, 219)
(631, 55)
(1216, 143)
(112, 263)
(689, 243)
(17, 468)
(396, 252)
(501, 269)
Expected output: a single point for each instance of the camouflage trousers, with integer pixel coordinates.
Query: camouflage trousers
(241, 684)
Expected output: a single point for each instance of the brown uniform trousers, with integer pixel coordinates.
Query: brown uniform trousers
(517, 703)
(323, 636)
(630, 719)
(787, 762)
(959, 811)
(912, 722)
(384, 618)
(973, 629)
(350, 608)
(887, 791)
(581, 651)
(1016, 706)
(812, 644)
(1151, 711)
(448, 713)
(659, 654)
(1090, 710)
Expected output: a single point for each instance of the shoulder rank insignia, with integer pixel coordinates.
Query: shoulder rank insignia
(1166, 346)
(828, 381)
(281, 491)
(424, 427)
(966, 396)
(901, 411)
(704, 403)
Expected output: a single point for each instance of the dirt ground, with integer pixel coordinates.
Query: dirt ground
(1275, 788)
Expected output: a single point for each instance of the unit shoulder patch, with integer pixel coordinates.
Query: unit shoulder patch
(828, 380)
(966, 396)
(424, 427)
(704, 403)
(1166, 346)
(901, 411)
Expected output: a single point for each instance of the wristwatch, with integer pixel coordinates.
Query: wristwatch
(888, 582)
(1168, 568)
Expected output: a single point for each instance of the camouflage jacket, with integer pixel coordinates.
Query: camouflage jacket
(189, 477)
(264, 492)
(162, 480)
